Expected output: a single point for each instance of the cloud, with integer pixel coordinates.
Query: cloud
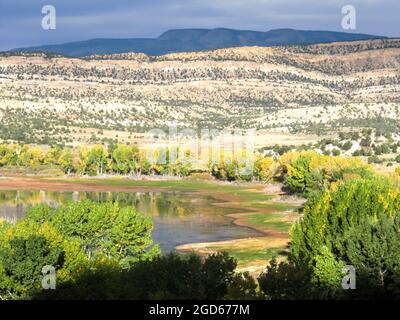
(20, 21)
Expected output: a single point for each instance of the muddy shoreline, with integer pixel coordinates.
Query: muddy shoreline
(28, 183)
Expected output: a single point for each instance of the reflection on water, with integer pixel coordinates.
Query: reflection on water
(179, 217)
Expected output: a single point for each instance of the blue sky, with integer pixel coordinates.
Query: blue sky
(20, 20)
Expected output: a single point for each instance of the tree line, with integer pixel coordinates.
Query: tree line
(97, 159)
(300, 171)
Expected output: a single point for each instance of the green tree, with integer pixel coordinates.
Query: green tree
(8, 155)
(347, 145)
(97, 160)
(75, 239)
(302, 178)
(105, 230)
(124, 159)
(53, 156)
(354, 223)
(29, 157)
(25, 248)
(373, 247)
(66, 161)
(22, 262)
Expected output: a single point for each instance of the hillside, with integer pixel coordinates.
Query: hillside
(316, 88)
(186, 40)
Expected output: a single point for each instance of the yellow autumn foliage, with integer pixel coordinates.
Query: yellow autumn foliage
(265, 168)
(318, 162)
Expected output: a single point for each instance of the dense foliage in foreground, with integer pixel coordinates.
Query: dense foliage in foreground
(354, 223)
(170, 276)
(72, 239)
(103, 251)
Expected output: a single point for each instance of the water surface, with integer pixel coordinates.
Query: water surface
(178, 217)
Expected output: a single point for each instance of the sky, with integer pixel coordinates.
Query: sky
(21, 20)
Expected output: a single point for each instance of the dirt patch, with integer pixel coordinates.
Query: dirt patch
(11, 183)
(206, 248)
(254, 266)
(293, 200)
(273, 189)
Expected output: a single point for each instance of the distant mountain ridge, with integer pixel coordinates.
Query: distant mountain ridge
(189, 40)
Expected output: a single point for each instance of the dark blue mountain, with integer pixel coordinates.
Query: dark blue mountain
(186, 40)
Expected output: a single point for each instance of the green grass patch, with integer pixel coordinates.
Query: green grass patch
(278, 206)
(270, 221)
(246, 256)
